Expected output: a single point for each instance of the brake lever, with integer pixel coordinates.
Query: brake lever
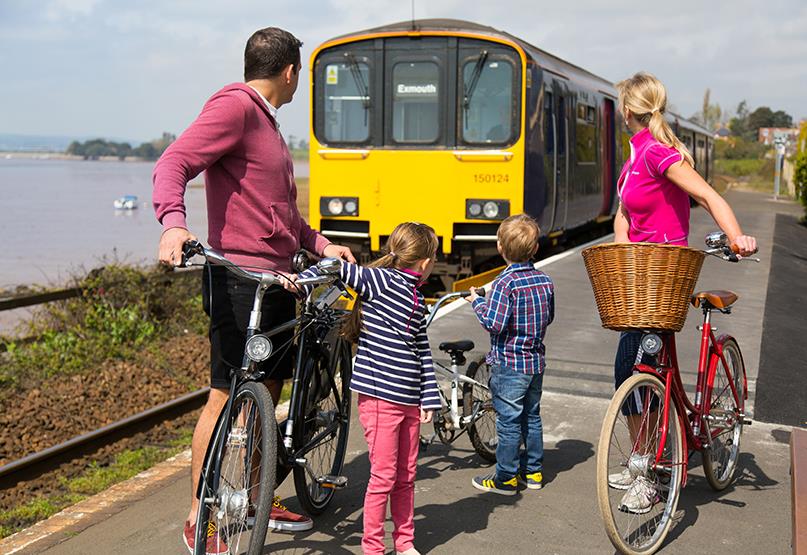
(345, 293)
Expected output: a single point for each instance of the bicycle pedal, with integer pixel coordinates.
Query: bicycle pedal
(333, 482)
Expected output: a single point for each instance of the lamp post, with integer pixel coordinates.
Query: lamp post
(779, 146)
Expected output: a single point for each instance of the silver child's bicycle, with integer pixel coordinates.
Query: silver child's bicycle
(476, 415)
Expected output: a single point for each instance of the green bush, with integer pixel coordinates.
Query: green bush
(740, 168)
(737, 148)
(123, 310)
(800, 178)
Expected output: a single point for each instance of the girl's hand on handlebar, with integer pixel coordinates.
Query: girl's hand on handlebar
(425, 416)
(171, 243)
(288, 282)
(744, 245)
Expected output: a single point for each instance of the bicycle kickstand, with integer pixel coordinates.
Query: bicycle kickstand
(426, 441)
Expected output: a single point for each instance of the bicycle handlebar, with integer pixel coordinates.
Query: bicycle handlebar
(192, 248)
(450, 296)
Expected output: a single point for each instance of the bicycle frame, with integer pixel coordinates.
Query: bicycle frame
(692, 416)
(460, 422)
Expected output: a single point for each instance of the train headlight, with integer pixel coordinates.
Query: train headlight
(259, 348)
(339, 206)
(485, 209)
(335, 206)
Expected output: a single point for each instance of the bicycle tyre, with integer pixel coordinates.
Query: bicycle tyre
(482, 431)
(720, 461)
(239, 435)
(628, 536)
(315, 410)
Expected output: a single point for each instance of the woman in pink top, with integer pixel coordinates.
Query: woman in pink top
(654, 189)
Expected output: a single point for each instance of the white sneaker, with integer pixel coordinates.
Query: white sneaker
(410, 551)
(640, 497)
(621, 480)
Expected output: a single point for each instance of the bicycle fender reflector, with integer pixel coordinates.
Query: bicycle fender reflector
(259, 348)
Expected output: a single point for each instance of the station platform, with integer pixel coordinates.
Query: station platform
(751, 516)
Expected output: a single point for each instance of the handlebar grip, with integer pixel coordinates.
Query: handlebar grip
(479, 291)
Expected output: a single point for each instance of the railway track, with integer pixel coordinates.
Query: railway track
(36, 464)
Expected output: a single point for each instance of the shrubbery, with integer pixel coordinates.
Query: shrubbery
(737, 148)
(123, 311)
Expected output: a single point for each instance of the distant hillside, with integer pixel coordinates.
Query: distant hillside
(37, 143)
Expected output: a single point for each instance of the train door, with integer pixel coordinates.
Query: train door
(560, 92)
(609, 157)
(551, 173)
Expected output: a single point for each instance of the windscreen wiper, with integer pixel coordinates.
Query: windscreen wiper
(471, 86)
(358, 78)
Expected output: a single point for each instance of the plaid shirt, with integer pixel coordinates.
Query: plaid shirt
(521, 305)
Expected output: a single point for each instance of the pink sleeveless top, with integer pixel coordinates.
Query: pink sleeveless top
(657, 208)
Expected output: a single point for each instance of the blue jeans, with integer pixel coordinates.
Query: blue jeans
(517, 400)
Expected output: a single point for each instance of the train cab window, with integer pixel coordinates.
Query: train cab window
(486, 101)
(416, 102)
(347, 101)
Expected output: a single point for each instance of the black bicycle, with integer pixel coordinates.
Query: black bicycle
(244, 460)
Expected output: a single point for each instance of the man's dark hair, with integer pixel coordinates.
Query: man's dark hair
(269, 51)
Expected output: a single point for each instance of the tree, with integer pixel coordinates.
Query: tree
(739, 123)
(710, 114)
(781, 119)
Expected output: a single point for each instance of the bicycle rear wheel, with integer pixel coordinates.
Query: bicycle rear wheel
(478, 403)
(725, 419)
(236, 495)
(638, 496)
(322, 409)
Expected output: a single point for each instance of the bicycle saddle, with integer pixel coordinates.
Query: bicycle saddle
(718, 299)
(461, 346)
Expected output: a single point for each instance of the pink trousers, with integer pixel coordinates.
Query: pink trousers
(392, 432)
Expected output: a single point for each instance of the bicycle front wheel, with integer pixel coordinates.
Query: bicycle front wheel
(477, 404)
(321, 426)
(638, 492)
(236, 494)
(725, 419)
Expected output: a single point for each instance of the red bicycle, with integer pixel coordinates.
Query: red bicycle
(651, 426)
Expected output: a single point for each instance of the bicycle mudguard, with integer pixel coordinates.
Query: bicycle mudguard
(720, 340)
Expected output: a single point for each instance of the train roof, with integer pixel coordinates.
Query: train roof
(544, 59)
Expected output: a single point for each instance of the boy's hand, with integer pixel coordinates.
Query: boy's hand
(473, 296)
(425, 416)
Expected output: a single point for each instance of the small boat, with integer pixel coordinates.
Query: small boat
(126, 202)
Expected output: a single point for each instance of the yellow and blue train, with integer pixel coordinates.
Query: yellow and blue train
(459, 125)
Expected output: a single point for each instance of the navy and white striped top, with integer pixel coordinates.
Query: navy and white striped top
(394, 360)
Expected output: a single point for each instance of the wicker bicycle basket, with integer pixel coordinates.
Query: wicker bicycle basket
(642, 285)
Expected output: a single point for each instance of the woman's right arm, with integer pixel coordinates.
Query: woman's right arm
(621, 226)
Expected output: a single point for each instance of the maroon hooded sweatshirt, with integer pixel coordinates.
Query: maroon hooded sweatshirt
(252, 210)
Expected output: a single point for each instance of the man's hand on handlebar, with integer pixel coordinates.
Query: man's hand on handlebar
(338, 251)
(171, 243)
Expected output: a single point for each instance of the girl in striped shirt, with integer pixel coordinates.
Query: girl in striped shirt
(393, 376)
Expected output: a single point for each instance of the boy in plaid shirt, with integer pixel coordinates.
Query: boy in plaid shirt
(521, 305)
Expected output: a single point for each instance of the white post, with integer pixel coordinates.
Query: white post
(779, 144)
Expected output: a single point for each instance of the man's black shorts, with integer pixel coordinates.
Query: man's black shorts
(232, 299)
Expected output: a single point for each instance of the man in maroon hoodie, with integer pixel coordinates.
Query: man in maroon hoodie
(252, 219)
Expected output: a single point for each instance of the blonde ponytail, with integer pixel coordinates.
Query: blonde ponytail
(646, 98)
(408, 243)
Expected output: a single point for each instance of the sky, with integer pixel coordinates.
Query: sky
(133, 69)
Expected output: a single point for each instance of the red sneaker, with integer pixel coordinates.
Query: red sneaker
(215, 545)
(283, 520)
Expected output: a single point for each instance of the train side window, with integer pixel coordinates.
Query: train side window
(486, 102)
(561, 121)
(415, 102)
(549, 128)
(585, 146)
(347, 102)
